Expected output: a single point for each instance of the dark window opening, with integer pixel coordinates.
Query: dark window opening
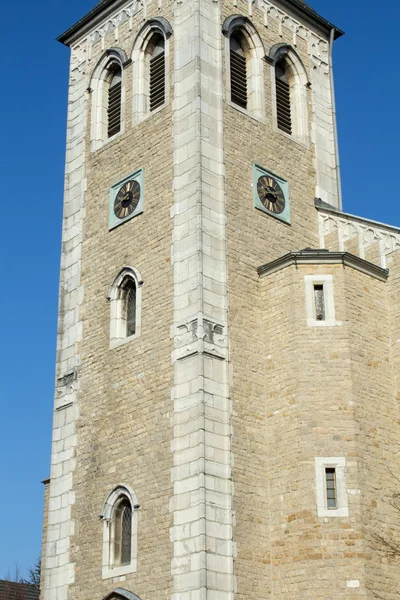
(238, 71)
(319, 300)
(130, 291)
(331, 496)
(157, 73)
(114, 103)
(123, 533)
(283, 105)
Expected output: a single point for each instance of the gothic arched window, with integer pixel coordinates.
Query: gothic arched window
(130, 307)
(106, 87)
(245, 73)
(122, 532)
(125, 306)
(150, 68)
(114, 100)
(156, 64)
(290, 92)
(119, 518)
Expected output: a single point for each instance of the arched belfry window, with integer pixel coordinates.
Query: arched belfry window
(119, 517)
(150, 57)
(290, 84)
(125, 298)
(107, 91)
(114, 101)
(283, 103)
(245, 66)
(238, 69)
(156, 54)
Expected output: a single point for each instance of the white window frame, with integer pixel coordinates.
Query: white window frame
(117, 298)
(108, 569)
(327, 282)
(98, 87)
(339, 464)
(254, 65)
(141, 75)
(298, 93)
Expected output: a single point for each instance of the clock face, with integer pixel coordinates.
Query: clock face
(127, 199)
(270, 194)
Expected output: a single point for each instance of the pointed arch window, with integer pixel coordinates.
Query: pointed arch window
(156, 51)
(114, 101)
(130, 307)
(245, 72)
(107, 92)
(125, 298)
(290, 84)
(283, 104)
(119, 518)
(238, 68)
(150, 58)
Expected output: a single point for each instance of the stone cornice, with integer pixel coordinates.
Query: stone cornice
(106, 8)
(323, 257)
(323, 207)
(100, 12)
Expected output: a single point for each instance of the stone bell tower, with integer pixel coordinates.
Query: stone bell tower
(212, 422)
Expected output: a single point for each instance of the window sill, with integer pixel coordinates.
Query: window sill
(116, 343)
(326, 323)
(108, 573)
(144, 117)
(246, 112)
(96, 145)
(341, 511)
(296, 140)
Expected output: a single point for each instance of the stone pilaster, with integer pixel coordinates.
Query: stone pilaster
(202, 563)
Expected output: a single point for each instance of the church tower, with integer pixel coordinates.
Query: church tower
(226, 416)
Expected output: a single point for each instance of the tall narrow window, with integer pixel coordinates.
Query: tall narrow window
(114, 102)
(123, 533)
(331, 495)
(130, 291)
(238, 70)
(283, 100)
(157, 72)
(319, 301)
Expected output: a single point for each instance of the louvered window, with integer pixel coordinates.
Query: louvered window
(130, 308)
(238, 72)
(157, 74)
(114, 104)
(283, 108)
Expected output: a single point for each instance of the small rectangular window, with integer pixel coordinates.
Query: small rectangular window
(331, 495)
(319, 301)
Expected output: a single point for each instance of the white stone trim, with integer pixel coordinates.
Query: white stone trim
(327, 282)
(254, 63)
(339, 464)
(108, 569)
(298, 81)
(116, 297)
(99, 87)
(140, 69)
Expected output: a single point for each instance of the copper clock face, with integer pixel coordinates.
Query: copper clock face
(127, 199)
(271, 195)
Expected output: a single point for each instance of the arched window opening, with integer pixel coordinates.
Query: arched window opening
(130, 307)
(114, 100)
(120, 524)
(238, 70)
(156, 51)
(122, 532)
(283, 97)
(125, 297)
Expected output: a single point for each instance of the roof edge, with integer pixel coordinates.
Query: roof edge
(323, 257)
(322, 206)
(107, 7)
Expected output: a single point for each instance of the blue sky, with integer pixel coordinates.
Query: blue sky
(33, 108)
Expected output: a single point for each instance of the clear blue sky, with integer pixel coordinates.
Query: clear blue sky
(33, 110)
